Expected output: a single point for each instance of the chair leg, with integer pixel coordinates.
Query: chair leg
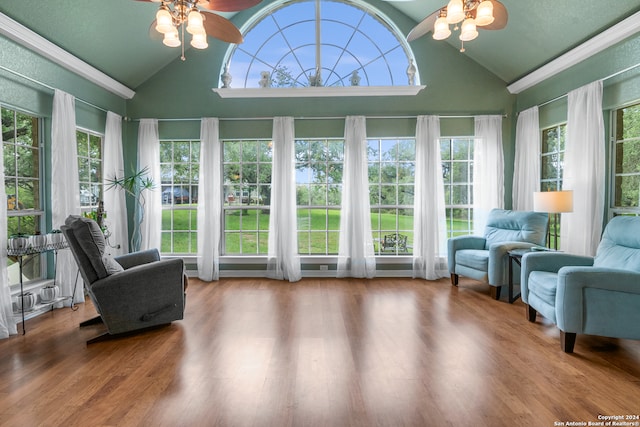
(495, 292)
(531, 313)
(567, 341)
(454, 279)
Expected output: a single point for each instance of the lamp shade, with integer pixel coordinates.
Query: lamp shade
(441, 29)
(484, 13)
(468, 30)
(553, 201)
(455, 11)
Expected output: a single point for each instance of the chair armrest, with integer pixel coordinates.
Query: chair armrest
(572, 295)
(137, 258)
(462, 242)
(498, 261)
(547, 261)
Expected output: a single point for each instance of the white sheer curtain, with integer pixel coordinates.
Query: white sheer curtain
(355, 251)
(429, 221)
(584, 171)
(65, 188)
(7, 323)
(284, 262)
(149, 157)
(114, 198)
(488, 170)
(209, 200)
(526, 169)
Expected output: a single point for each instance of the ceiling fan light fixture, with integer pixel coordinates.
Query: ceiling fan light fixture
(455, 11)
(194, 22)
(164, 21)
(468, 30)
(199, 40)
(484, 13)
(441, 29)
(171, 38)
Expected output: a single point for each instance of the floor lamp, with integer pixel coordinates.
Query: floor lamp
(553, 202)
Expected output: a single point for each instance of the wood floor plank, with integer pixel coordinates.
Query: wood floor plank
(319, 352)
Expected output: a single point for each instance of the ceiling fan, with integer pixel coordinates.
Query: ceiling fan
(186, 15)
(474, 15)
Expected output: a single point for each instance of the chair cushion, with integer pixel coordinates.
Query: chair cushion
(516, 226)
(477, 259)
(544, 284)
(91, 241)
(620, 245)
(111, 265)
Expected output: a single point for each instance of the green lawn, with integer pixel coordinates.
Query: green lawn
(312, 225)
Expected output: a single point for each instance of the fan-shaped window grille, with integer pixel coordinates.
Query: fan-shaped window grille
(350, 43)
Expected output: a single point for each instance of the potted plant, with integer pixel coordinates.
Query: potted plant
(55, 237)
(135, 186)
(18, 241)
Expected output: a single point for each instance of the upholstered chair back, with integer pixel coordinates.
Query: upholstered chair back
(516, 226)
(620, 244)
(87, 244)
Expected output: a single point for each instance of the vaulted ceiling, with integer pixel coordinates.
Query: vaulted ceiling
(113, 35)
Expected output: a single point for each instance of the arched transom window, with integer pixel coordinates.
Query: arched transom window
(320, 43)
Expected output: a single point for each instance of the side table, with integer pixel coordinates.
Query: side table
(30, 252)
(515, 255)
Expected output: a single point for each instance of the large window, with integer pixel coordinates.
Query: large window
(626, 173)
(89, 169)
(457, 174)
(179, 170)
(247, 195)
(21, 156)
(552, 152)
(552, 170)
(391, 194)
(319, 165)
(283, 48)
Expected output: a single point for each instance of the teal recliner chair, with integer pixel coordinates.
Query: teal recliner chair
(584, 295)
(486, 258)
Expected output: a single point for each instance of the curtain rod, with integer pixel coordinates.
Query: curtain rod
(617, 73)
(32, 80)
(233, 119)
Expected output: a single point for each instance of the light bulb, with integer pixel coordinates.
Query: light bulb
(484, 13)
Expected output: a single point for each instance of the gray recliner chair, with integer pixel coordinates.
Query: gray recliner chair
(130, 292)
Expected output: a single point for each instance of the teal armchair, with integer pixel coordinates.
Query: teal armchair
(585, 295)
(486, 258)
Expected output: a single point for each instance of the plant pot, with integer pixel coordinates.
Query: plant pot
(25, 301)
(38, 240)
(55, 238)
(49, 293)
(17, 243)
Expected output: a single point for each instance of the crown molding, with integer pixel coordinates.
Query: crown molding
(314, 92)
(602, 41)
(36, 43)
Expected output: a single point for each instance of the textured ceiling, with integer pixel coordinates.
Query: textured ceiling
(113, 35)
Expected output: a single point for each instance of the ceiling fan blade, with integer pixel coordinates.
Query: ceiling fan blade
(501, 17)
(227, 5)
(221, 28)
(423, 27)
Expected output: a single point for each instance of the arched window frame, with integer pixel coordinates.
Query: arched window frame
(375, 13)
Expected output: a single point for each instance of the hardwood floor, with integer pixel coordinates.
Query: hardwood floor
(320, 352)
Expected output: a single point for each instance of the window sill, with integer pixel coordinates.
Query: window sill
(314, 92)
